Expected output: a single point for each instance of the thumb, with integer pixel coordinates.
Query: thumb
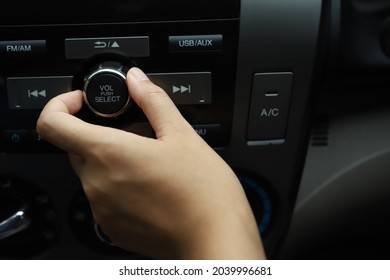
(158, 107)
(57, 125)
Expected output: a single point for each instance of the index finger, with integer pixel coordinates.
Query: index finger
(158, 107)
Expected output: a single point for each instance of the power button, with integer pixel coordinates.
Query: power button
(105, 89)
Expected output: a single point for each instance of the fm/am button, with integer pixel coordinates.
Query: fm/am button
(22, 49)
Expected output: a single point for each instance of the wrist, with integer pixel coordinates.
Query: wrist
(225, 235)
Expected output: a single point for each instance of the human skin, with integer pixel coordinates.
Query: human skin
(172, 197)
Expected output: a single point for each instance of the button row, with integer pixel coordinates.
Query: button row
(212, 133)
(185, 88)
(23, 138)
(135, 46)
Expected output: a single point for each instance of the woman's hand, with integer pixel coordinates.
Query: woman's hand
(170, 197)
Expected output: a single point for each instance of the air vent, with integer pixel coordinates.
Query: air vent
(320, 132)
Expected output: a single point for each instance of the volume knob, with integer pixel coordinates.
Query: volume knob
(105, 89)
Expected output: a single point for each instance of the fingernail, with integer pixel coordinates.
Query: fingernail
(138, 74)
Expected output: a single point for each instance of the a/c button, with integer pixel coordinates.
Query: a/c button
(270, 105)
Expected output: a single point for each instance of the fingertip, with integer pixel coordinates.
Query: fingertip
(73, 100)
(137, 75)
(135, 78)
(69, 102)
(142, 89)
(158, 107)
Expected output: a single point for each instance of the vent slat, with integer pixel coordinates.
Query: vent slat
(320, 132)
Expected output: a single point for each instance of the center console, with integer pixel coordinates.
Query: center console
(239, 71)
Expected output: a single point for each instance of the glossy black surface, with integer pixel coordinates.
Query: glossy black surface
(88, 11)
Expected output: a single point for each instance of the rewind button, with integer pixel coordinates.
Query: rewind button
(35, 92)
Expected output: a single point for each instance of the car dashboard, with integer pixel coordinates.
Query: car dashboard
(291, 94)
